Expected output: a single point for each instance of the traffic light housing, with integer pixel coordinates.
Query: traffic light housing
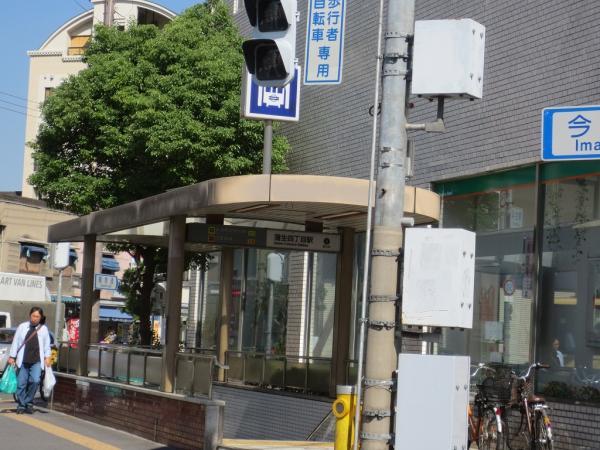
(271, 54)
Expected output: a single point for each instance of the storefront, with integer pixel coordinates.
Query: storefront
(537, 285)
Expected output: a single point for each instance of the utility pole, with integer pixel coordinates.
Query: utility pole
(109, 12)
(381, 352)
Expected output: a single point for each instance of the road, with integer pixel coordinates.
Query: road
(47, 430)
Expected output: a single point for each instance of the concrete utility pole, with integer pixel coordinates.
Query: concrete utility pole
(381, 353)
(109, 12)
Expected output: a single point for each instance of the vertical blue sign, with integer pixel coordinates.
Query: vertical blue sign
(274, 103)
(325, 41)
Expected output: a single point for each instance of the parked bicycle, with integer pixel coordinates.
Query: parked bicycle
(535, 426)
(488, 427)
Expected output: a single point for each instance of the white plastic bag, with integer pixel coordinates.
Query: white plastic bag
(49, 382)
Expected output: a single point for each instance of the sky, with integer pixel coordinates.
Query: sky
(26, 25)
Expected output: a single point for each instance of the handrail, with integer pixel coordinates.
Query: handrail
(306, 361)
(120, 370)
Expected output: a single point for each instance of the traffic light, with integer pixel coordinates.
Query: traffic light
(271, 54)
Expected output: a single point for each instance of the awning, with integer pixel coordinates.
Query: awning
(66, 299)
(30, 248)
(110, 264)
(114, 314)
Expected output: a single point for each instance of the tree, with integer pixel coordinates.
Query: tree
(154, 110)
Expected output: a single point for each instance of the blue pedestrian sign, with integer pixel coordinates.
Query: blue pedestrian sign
(571, 133)
(325, 42)
(274, 103)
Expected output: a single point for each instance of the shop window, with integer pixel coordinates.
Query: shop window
(78, 45)
(32, 258)
(569, 335)
(504, 274)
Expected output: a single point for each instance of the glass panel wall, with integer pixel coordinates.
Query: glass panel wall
(569, 333)
(322, 304)
(207, 326)
(504, 274)
(265, 301)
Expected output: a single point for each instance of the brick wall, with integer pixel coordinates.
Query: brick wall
(169, 419)
(576, 427)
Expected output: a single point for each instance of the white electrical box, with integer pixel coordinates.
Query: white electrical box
(431, 402)
(448, 58)
(439, 277)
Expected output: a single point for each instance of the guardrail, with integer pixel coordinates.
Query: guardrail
(307, 374)
(142, 367)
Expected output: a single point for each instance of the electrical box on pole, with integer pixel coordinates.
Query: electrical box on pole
(448, 57)
(439, 277)
(271, 53)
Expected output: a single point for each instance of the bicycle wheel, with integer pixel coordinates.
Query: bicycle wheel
(543, 431)
(489, 437)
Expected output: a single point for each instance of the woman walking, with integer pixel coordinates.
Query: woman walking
(30, 350)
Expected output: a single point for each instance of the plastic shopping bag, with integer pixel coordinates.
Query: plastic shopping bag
(49, 382)
(8, 383)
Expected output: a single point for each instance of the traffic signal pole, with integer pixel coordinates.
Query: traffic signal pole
(382, 348)
(267, 147)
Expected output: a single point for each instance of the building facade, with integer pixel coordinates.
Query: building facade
(537, 267)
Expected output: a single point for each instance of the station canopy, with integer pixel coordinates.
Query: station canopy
(271, 201)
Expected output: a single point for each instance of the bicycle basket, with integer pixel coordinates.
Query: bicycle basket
(496, 389)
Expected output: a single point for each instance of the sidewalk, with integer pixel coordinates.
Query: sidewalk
(47, 430)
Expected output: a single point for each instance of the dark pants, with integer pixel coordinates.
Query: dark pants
(28, 382)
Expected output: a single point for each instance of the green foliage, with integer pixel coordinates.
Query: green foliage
(155, 109)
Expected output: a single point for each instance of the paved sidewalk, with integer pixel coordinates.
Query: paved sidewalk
(47, 430)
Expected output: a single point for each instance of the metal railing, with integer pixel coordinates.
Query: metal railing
(139, 366)
(307, 374)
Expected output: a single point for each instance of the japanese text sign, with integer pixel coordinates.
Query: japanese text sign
(325, 41)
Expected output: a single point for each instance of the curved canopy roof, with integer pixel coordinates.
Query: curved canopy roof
(296, 199)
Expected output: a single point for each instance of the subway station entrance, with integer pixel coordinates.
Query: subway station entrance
(275, 305)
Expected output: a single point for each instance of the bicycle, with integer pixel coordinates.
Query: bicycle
(535, 423)
(489, 428)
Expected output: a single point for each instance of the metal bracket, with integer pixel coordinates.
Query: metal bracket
(380, 252)
(395, 72)
(381, 324)
(377, 413)
(432, 127)
(376, 437)
(384, 298)
(370, 382)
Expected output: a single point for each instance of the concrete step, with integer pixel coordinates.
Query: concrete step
(250, 444)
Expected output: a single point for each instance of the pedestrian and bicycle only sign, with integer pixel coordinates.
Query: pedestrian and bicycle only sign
(323, 66)
(571, 133)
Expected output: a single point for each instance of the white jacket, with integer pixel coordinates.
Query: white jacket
(43, 337)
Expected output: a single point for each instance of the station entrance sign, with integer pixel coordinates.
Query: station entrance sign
(233, 236)
(571, 133)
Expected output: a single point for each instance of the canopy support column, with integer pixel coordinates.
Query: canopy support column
(343, 311)
(175, 269)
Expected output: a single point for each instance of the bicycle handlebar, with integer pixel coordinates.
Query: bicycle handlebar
(534, 366)
(481, 366)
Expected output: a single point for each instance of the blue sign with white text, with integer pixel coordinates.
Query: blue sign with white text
(275, 103)
(571, 133)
